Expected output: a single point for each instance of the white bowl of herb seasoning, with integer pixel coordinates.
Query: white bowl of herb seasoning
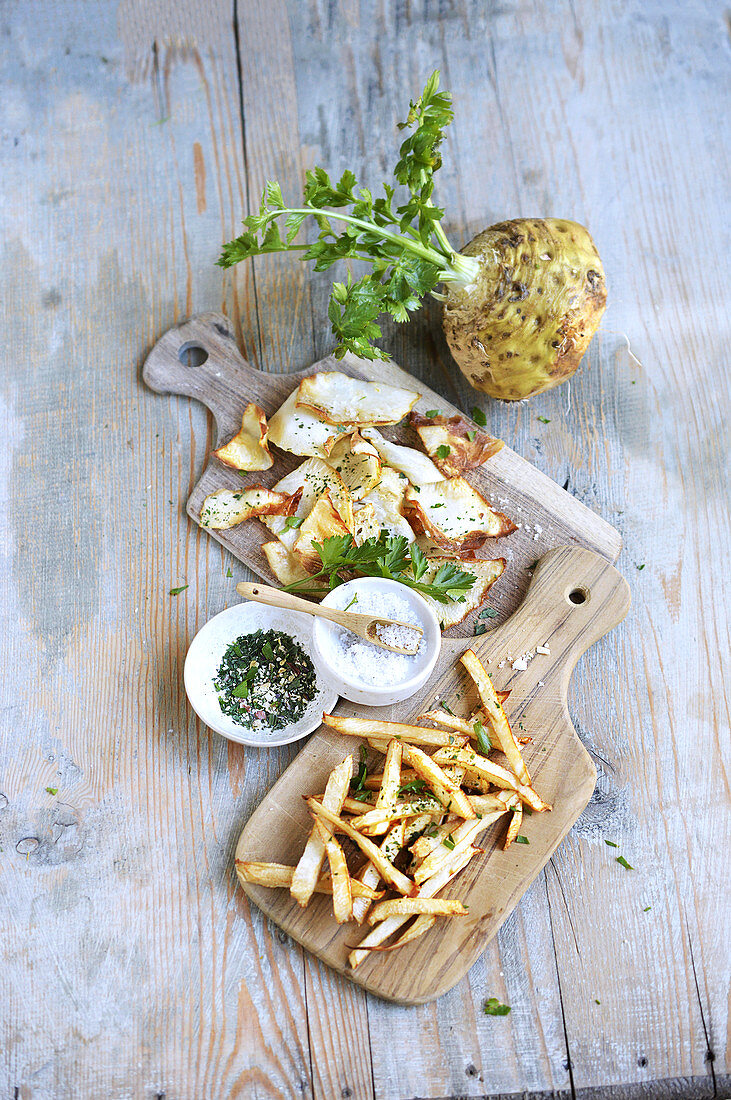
(252, 675)
(365, 673)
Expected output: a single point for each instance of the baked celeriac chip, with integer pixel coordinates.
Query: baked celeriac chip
(340, 399)
(455, 515)
(248, 450)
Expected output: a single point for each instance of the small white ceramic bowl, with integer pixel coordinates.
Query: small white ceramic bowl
(204, 658)
(356, 691)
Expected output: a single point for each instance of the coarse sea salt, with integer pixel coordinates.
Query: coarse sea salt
(365, 662)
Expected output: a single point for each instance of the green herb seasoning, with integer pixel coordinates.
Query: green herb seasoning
(265, 680)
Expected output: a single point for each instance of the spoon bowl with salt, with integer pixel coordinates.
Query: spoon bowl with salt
(388, 634)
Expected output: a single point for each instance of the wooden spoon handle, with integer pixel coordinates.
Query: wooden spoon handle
(274, 597)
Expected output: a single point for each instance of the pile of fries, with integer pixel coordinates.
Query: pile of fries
(425, 810)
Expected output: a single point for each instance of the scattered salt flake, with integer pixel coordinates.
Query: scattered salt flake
(502, 664)
(520, 665)
(543, 649)
(540, 684)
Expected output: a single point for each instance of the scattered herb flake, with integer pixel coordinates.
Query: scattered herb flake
(448, 842)
(478, 416)
(596, 1002)
(544, 420)
(520, 839)
(443, 450)
(488, 613)
(611, 844)
(229, 573)
(627, 866)
(52, 790)
(293, 521)
(177, 591)
(471, 435)
(483, 741)
(480, 628)
(493, 1007)
(354, 600)
(444, 706)
(432, 413)
(645, 910)
(641, 567)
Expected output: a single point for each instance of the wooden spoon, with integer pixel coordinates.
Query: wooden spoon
(365, 626)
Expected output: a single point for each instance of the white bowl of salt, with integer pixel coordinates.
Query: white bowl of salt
(361, 671)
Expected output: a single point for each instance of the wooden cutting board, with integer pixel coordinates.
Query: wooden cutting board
(225, 383)
(575, 597)
(561, 769)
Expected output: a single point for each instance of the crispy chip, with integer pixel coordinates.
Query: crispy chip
(494, 773)
(340, 399)
(455, 515)
(486, 571)
(301, 431)
(365, 524)
(386, 499)
(248, 450)
(227, 507)
(419, 469)
(286, 566)
(310, 479)
(447, 441)
(358, 463)
(323, 522)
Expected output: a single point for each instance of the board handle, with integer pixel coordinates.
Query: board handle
(575, 597)
(200, 358)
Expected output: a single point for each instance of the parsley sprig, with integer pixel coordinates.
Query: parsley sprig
(390, 557)
(401, 237)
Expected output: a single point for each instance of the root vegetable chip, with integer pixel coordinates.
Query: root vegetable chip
(365, 524)
(387, 504)
(311, 478)
(455, 515)
(340, 399)
(453, 444)
(248, 450)
(301, 431)
(419, 469)
(227, 507)
(285, 565)
(323, 522)
(357, 462)
(486, 571)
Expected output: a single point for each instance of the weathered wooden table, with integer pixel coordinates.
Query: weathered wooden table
(133, 138)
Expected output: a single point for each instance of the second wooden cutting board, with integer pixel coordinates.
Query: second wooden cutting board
(575, 597)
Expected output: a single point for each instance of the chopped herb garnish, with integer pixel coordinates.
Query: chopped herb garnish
(444, 706)
(493, 1007)
(483, 741)
(611, 844)
(479, 417)
(293, 521)
(229, 572)
(641, 567)
(471, 435)
(413, 785)
(596, 1002)
(177, 591)
(432, 413)
(52, 790)
(544, 420)
(448, 842)
(480, 628)
(520, 839)
(627, 866)
(358, 783)
(265, 680)
(645, 910)
(488, 613)
(354, 600)
(443, 450)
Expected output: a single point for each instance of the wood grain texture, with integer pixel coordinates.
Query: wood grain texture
(125, 163)
(561, 769)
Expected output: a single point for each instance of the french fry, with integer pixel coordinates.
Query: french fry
(342, 897)
(280, 875)
(407, 907)
(385, 929)
(373, 782)
(516, 819)
(462, 839)
(375, 820)
(307, 870)
(424, 845)
(387, 871)
(498, 719)
(391, 845)
(453, 721)
(447, 791)
(386, 731)
(388, 794)
(421, 925)
(495, 773)
(355, 805)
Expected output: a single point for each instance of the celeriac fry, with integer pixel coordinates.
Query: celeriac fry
(380, 731)
(400, 907)
(449, 793)
(388, 872)
(514, 826)
(280, 875)
(391, 845)
(370, 821)
(373, 782)
(388, 794)
(421, 925)
(498, 719)
(453, 721)
(386, 928)
(342, 897)
(471, 781)
(307, 870)
(423, 845)
(355, 805)
(461, 839)
(495, 773)
(499, 800)
(377, 744)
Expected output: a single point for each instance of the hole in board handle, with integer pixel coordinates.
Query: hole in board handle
(577, 595)
(192, 354)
